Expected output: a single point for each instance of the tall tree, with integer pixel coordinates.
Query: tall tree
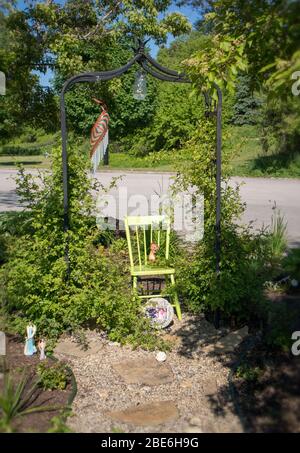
(265, 36)
(76, 36)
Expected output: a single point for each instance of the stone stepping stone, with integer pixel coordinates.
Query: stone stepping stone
(68, 347)
(146, 371)
(151, 414)
(228, 343)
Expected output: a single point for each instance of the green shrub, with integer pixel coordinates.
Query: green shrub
(238, 289)
(19, 150)
(35, 282)
(54, 377)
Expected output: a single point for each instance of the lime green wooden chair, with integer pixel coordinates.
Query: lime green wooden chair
(141, 231)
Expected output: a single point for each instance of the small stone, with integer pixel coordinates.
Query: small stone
(161, 356)
(195, 421)
(186, 383)
(294, 283)
(113, 343)
(103, 394)
(146, 388)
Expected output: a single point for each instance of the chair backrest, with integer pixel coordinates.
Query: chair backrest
(141, 232)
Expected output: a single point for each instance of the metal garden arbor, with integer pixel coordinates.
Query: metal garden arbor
(152, 67)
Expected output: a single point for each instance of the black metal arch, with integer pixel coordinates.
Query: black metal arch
(153, 68)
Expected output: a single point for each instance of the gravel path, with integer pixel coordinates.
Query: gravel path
(199, 388)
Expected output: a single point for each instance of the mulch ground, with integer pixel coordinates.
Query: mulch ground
(18, 365)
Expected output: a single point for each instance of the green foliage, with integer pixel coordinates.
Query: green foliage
(69, 38)
(277, 239)
(53, 377)
(248, 373)
(72, 29)
(177, 110)
(58, 424)
(238, 290)
(280, 325)
(25, 100)
(291, 263)
(16, 400)
(34, 279)
(245, 109)
(126, 113)
(219, 62)
(280, 127)
(270, 33)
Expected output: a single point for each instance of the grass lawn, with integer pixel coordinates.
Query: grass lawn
(249, 158)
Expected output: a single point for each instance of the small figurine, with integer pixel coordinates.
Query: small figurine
(42, 346)
(30, 348)
(153, 250)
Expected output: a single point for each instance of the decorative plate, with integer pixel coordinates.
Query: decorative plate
(160, 312)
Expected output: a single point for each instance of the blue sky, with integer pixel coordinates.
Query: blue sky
(191, 14)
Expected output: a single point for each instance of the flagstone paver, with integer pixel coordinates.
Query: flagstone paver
(70, 348)
(152, 414)
(228, 343)
(146, 371)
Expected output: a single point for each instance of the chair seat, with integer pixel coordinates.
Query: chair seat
(151, 270)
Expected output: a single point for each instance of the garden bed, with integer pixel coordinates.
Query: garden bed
(18, 366)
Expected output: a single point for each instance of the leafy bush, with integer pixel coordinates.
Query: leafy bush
(53, 377)
(238, 289)
(36, 285)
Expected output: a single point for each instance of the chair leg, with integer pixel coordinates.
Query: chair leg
(176, 299)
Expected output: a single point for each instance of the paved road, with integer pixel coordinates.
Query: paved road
(258, 193)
